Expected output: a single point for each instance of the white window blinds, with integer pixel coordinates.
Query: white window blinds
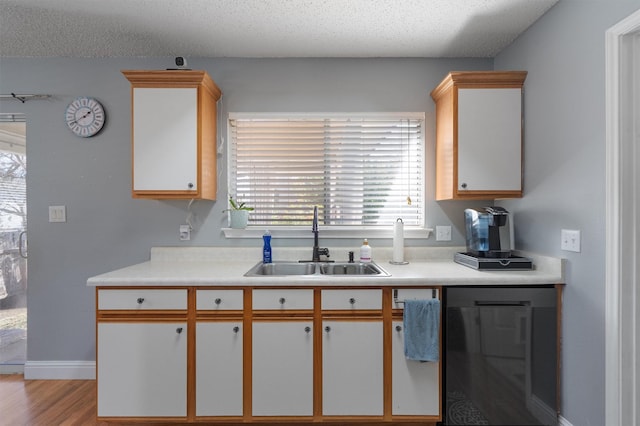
(362, 171)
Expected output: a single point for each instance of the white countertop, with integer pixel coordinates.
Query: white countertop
(224, 266)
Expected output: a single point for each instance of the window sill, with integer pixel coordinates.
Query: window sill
(325, 232)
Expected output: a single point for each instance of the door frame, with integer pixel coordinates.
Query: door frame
(622, 210)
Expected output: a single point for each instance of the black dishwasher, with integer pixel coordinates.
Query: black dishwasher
(501, 356)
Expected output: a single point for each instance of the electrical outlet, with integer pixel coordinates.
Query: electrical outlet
(443, 233)
(185, 232)
(570, 240)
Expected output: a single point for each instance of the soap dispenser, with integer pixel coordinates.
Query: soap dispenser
(365, 252)
(266, 249)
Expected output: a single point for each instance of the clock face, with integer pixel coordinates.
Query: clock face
(85, 117)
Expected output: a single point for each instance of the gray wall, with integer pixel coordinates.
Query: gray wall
(565, 178)
(107, 229)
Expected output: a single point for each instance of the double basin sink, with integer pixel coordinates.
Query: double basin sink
(315, 268)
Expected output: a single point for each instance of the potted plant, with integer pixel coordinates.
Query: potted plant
(238, 213)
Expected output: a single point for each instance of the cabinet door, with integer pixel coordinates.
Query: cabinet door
(165, 153)
(352, 368)
(490, 139)
(142, 369)
(415, 385)
(282, 376)
(219, 369)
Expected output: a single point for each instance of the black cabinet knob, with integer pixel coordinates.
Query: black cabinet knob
(140, 300)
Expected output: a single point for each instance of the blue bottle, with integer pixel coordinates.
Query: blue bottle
(266, 249)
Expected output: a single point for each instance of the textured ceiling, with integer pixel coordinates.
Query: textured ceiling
(263, 28)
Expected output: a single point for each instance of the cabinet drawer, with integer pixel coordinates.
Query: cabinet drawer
(282, 299)
(351, 299)
(142, 299)
(402, 294)
(219, 300)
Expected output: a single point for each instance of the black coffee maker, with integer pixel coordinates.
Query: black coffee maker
(488, 232)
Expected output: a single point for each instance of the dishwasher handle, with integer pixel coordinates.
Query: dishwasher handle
(503, 303)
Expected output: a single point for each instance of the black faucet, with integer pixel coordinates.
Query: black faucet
(317, 251)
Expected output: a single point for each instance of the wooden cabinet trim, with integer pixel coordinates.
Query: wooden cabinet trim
(141, 316)
(479, 79)
(171, 78)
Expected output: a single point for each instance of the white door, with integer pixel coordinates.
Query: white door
(142, 369)
(165, 128)
(282, 376)
(415, 385)
(219, 368)
(352, 368)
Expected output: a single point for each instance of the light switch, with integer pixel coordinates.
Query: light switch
(57, 213)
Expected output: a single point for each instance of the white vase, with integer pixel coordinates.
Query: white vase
(239, 218)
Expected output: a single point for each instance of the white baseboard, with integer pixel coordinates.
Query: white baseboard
(60, 370)
(11, 368)
(563, 422)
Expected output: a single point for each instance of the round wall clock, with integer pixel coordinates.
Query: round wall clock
(85, 116)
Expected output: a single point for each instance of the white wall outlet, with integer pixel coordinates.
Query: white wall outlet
(57, 213)
(185, 232)
(570, 240)
(443, 233)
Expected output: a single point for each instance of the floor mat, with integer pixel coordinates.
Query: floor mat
(461, 411)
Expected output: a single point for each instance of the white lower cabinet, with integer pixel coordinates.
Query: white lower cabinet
(352, 368)
(219, 368)
(164, 354)
(282, 368)
(142, 369)
(415, 385)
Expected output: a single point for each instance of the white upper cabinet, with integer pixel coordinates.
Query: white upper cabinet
(165, 135)
(174, 134)
(479, 135)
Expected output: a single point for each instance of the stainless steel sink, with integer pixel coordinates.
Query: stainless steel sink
(315, 268)
(281, 269)
(352, 269)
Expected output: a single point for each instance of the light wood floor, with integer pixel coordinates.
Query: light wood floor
(46, 402)
(62, 403)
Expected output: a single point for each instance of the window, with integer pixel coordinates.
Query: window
(360, 170)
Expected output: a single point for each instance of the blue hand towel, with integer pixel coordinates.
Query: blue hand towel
(421, 321)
